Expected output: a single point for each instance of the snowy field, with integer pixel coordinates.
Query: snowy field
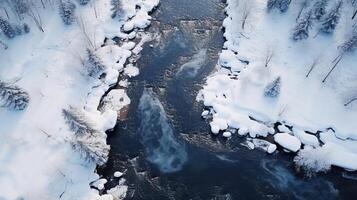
(54, 71)
(274, 70)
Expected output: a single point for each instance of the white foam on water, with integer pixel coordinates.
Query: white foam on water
(157, 135)
(191, 68)
(282, 179)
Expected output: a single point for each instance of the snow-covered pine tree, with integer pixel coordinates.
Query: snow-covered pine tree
(7, 29)
(273, 89)
(271, 4)
(350, 45)
(13, 97)
(78, 122)
(116, 8)
(301, 30)
(95, 66)
(93, 148)
(20, 7)
(83, 2)
(319, 9)
(331, 20)
(303, 5)
(67, 11)
(281, 5)
(87, 139)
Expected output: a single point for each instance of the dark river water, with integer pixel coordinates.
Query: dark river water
(165, 147)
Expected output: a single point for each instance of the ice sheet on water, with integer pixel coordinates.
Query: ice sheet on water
(157, 135)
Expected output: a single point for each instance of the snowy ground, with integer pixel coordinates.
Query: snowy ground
(36, 157)
(318, 124)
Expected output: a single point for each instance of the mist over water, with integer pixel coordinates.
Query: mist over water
(157, 135)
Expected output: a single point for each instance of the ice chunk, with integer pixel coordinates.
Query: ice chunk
(287, 141)
(306, 138)
(227, 134)
(118, 174)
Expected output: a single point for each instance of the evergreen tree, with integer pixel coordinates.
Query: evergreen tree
(350, 45)
(13, 97)
(281, 5)
(67, 11)
(95, 66)
(77, 122)
(319, 9)
(273, 89)
(87, 139)
(7, 29)
(26, 28)
(330, 22)
(83, 2)
(20, 7)
(116, 8)
(301, 30)
(92, 148)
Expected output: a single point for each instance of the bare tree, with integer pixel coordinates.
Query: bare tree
(34, 14)
(247, 8)
(350, 101)
(83, 28)
(5, 10)
(269, 56)
(313, 65)
(348, 46)
(354, 5)
(303, 4)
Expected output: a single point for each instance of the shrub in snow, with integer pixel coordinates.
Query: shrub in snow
(312, 160)
(13, 97)
(301, 30)
(83, 2)
(94, 66)
(273, 89)
(7, 29)
(281, 5)
(319, 9)
(87, 140)
(331, 20)
(116, 8)
(67, 11)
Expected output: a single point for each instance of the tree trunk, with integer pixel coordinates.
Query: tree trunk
(329, 73)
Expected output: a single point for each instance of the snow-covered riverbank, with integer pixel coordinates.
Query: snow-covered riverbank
(267, 74)
(37, 157)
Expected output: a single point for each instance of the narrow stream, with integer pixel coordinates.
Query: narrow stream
(165, 147)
